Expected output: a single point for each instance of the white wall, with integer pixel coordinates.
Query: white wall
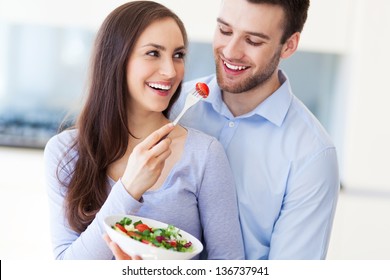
(198, 16)
(327, 26)
(199, 21)
(367, 133)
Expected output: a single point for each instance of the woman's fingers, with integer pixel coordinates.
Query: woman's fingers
(160, 148)
(155, 144)
(163, 155)
(157, 163)
(146, 162)
(115, 249)
(153, 138)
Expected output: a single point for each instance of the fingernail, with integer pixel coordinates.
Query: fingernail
(170, 125)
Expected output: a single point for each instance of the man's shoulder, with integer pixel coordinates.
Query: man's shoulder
(311, 129)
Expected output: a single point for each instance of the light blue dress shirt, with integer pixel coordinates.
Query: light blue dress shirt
(285, 168)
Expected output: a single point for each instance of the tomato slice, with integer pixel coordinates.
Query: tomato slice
(142, 227)
(121, 228)
(133, 234)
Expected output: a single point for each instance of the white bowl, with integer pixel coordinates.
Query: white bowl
(145, 251)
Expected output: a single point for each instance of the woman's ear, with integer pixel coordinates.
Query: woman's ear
(290, 46)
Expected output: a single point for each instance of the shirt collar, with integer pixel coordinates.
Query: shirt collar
(274, 108)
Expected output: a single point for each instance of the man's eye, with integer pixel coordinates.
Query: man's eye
(250, 42)
(224, 32)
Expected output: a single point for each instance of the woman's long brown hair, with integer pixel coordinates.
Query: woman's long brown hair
(102, 123)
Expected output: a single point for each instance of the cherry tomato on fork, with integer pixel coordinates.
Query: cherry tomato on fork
(202, 89)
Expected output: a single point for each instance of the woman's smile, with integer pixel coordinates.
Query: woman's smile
(162, 89)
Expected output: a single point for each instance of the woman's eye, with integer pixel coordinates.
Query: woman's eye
(153, 53)
(179, 55)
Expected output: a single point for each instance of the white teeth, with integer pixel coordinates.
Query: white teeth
(159, 86)
(234, 67)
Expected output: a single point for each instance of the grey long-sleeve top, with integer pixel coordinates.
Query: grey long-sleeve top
(198, 196)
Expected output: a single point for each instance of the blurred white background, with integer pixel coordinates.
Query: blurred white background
(339, 71)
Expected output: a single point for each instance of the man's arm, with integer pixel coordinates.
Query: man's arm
(303, 228)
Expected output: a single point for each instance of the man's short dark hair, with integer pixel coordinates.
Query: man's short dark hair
(295, 11)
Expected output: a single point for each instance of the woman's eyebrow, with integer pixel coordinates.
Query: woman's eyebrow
(157, 46)
(162, 48)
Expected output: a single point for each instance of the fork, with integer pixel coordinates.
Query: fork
(201, 91)
(191, 99)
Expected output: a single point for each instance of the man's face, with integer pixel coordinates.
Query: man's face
(247, 44)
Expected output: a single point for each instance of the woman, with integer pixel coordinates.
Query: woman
(113, 160)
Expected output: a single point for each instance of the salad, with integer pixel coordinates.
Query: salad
(167, 238)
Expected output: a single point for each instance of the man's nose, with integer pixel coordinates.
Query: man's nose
(233, 49)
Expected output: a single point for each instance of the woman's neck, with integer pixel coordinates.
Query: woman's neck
(141, 126)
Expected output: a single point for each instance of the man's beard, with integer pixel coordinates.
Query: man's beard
(251, 82)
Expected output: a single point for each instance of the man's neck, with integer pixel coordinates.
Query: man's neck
(245, 102)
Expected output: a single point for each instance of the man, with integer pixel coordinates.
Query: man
(284, 163)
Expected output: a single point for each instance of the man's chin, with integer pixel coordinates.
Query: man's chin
(229, 85)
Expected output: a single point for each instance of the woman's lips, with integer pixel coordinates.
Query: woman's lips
(161, 89)
(162, 92)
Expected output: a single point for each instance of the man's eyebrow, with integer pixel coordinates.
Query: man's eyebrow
(257, 34)
(222, 21)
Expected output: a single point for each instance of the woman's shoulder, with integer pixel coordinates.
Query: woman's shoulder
(200, 135)
(207, 151)
(202, 140)
(62, 141)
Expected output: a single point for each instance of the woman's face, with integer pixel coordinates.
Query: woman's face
(156, 66)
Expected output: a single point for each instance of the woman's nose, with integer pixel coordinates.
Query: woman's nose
(167, 68)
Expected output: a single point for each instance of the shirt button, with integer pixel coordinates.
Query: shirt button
(231, 124)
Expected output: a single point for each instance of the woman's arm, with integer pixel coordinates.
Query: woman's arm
(218, 207)
(68, 244)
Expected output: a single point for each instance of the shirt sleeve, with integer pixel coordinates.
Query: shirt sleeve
(218, 208)
(67, 243)
(303, 228)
